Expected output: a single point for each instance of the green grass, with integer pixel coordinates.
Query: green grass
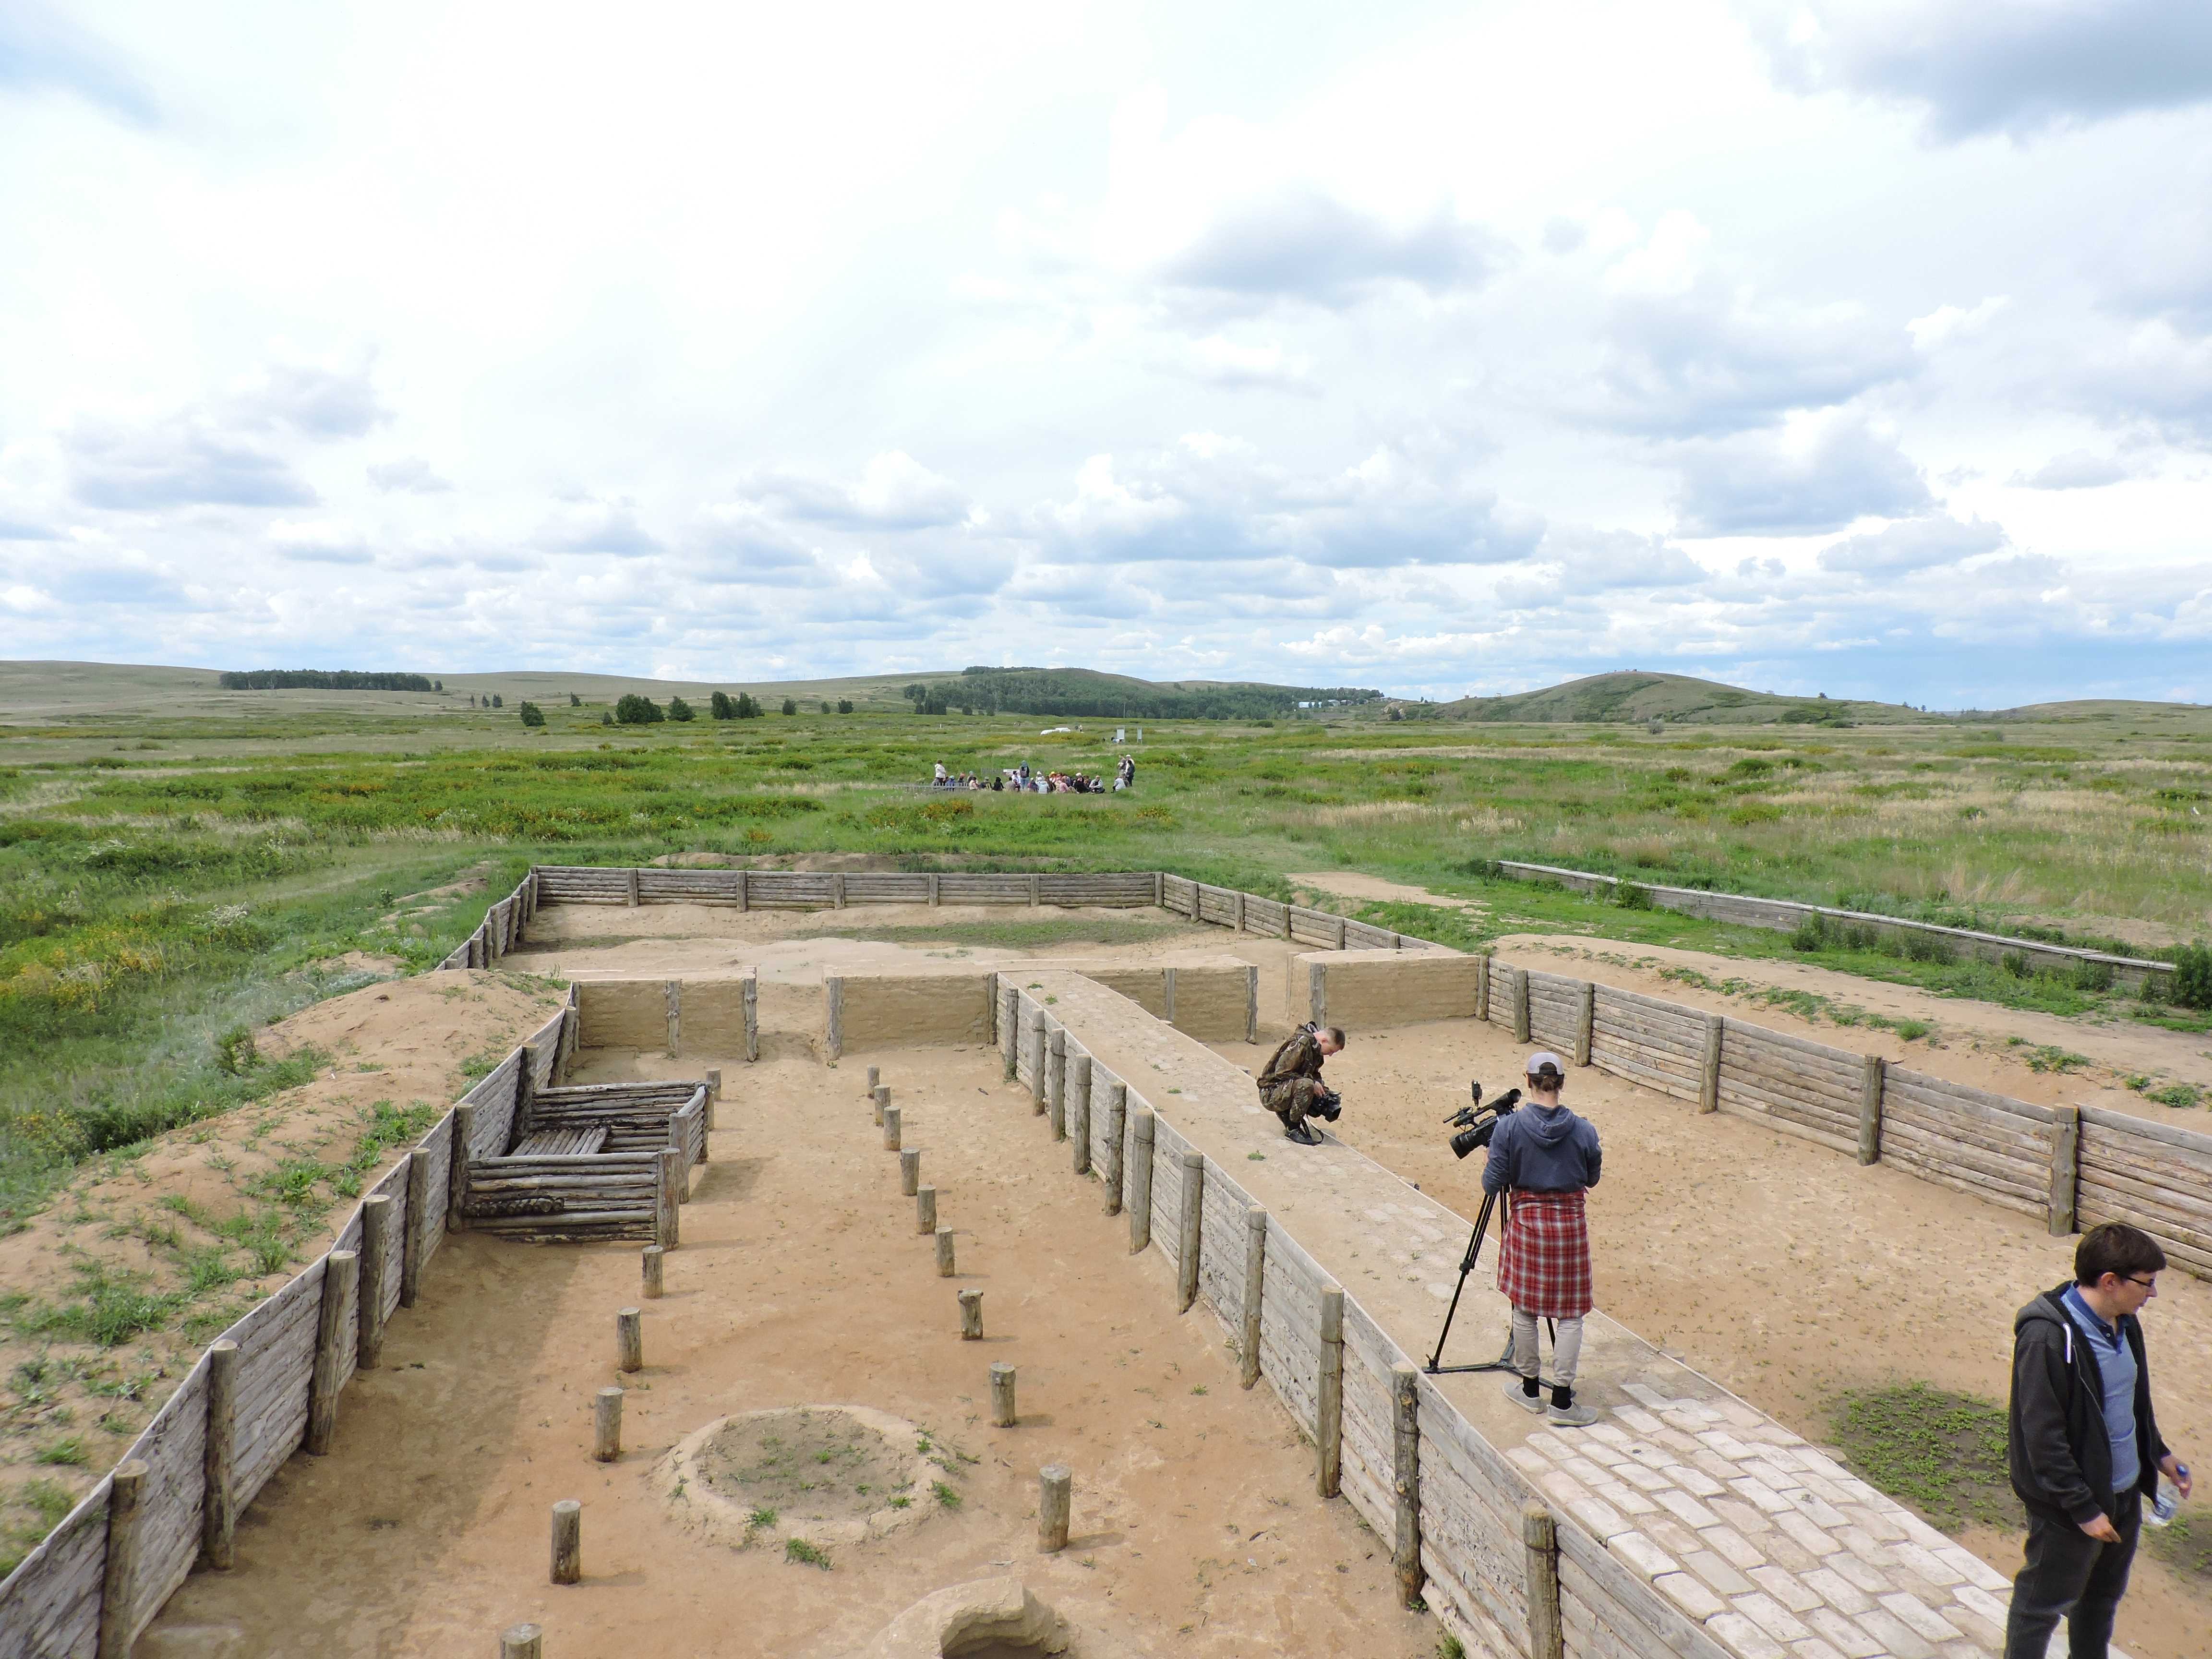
(27, 1513)
(806, 1554)
(2185, 1545)
(1944, 1453)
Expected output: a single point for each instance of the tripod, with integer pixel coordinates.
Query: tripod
(1436, 1367)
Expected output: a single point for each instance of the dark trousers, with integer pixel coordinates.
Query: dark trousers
(2070, 1574)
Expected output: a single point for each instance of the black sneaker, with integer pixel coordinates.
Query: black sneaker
(1301, 1133)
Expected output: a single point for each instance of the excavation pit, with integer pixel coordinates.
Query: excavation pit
(820, 1474)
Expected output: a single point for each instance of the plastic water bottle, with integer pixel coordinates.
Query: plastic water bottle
(2164, 1502)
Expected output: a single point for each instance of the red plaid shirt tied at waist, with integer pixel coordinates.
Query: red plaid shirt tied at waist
(1544, 1263)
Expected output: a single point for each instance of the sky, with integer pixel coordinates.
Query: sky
(1855, 348)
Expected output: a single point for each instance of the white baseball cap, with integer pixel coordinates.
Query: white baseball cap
(1542, 1058)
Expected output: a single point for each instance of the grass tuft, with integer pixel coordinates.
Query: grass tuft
(1942, 1453)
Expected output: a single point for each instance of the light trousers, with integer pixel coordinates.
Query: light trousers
(1567, 1347)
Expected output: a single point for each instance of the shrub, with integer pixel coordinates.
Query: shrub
(631, 710)
(2192, 976)
(748, 706)
(720, 707)
(532, 715)
(825, 708)
(844, 705)
(575, 701)
(680, 710)
(605, 719)
(790, 706)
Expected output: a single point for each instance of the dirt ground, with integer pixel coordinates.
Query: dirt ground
(152, 1221)
(802, 1279)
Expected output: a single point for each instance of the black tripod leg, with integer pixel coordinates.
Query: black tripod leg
(1436, 1365)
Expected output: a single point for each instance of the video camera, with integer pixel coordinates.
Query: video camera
(1478, 1122)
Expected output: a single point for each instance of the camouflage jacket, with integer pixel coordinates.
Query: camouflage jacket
(1301, 1056)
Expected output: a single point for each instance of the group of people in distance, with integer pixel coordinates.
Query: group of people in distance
(1023, 780)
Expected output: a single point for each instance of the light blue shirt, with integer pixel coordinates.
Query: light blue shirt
(2116, 1365)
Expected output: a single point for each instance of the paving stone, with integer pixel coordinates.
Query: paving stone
(1759, 1495)
(1612, 1456)
(1684, 1508)
(1550, 1444)
(1849, 1639)
(1817, 1511)
(1923, 1619)
(1886, 1528)
(1651, 1456)
(1601, 1517)
(1606, 1434)
(1813, 1648)
(1827, 1490)
(1635, 1420)
(1687, 1594)
(1716, 1573)
(1585, 1471)
(1983, 1632)
(1741, 1515)
(1837, 1590)
(1563, 1489)
(1895, 1634)
(1675, 1441)
(1806, 1535)
(1787, 1554)
(1921, 1533)
(1771, 1616)
(1641, 1553)
(1726, 1445)
(1671, 1534)
(1528, 1458)
(1643, 1479)
(1855, 1539)
(1977, 1570)
(1644, 1395)
(1870, 1579)
(1696, 1482)
(1786, 1588)
(1746, 1637)
(1733, 1548)
(1626, 1499)
(1926, 1562)
(1715, 1464)
(1980, 1600)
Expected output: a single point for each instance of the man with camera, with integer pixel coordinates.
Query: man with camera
(1545, 1158)
(1290, 1085)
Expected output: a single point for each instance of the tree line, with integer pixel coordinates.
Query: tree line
(1050, 691)
(323, 680)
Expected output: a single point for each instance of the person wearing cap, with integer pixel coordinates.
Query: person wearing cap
(1545, 1158)
(2084, 1444)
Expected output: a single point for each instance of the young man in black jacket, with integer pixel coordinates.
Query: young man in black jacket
(2085, 1446)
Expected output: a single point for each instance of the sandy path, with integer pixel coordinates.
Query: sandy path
(1782, 1270)
(801, 1280)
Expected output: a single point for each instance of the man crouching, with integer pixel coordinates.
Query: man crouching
(1290, 1085)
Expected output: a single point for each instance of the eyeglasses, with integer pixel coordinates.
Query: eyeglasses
(2150, 1284)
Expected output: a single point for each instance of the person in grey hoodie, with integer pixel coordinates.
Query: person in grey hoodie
(1546, 1158)
(2084, 1442)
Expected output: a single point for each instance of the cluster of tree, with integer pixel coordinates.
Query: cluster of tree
(1051, 691)
(532, 715)
(495, 701)
(324, 680)
(724, 706)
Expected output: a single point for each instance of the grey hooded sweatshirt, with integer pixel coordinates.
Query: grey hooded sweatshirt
(1542, 1149)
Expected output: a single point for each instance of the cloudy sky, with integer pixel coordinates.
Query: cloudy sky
(1817, 345)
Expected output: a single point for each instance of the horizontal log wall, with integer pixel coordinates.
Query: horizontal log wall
(1801, 1088)
(2152, 1175)
(1658, 1045)
(1554, 1012)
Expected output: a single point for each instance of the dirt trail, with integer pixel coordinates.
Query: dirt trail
(801, 1280)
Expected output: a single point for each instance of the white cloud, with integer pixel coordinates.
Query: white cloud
(2077, 469)
(1912, 544)
(408, 473)
(1814, 475)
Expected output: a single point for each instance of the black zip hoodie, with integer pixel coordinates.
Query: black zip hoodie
(2061, 1453)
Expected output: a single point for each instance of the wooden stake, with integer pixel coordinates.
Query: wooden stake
(1140, 1183)
(945, 1267)
(875, 1076)
(2065, 1167)
(1056, 1080)
(1078, 1111)
(1009, 1032)
(1037, 1068)
(522, 1641)
(1521, 1005)
(666, 1228)
(219, 1458)
(752, 1017)
(457, 1170)
(651, 1266)
(1872, 1076)
(1255, 1279)
(1482, 987)
(832, 1024)
(925, 1211)
(1117, 1102)
(1187, 1229)
(1056, 1498)
(676, 1144)
(1585, 1020)
(1405, 1480)
(375, 1236)
(880, 1098)
(891, 1129)
(1709, 1072)
(1002, 1395)
(568, 1542)
(714, 1094)
(1328, 1431)
(629, 888)
(933, 889)
(971, 1315)
(909, 1173)
(418, 1238)
(629, 1341)
(1317, 993)
(119, 1584)
(1539, 1536)
(606, 1425)
(341, 1275)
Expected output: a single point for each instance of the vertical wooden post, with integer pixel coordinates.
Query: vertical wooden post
(1237, 910)
(1033, 892)
(667, 1230)
(891, 1129)
(1873, 1074)
(525, 1090)
(1339, 932)
(522, 1641)
(629, 888)
(909, 1172)
(1140, 1183)
(875, 1074)
(1078, 1111)
(837, 891)
(933, 889)
(1188, 1223)
(925, 1211)
(219, 1462)
(833, 1032)
(119, 1584)
(1482, 988)
(676, 1144)
(1251, 1004)
(1037, 1089)
(752, 1017)
(1521, 1005)
(714, 1094)
(1539, 1536)
(629, 1339)
(671, 996)
(1117, 1106)
(606, 1425)
(1328, 1429)
(341, 1274)
(1055, 1496)
(1317, 993)
(744, 889)
(1709, 1073)
(1405, 1479)
(2065, 1167)
(457, 1167)
(568, 1541)
(418, 1238)
(971, 1315)
(1055, 1088)
(1010, 1029)
(1256, 1284)
(652, 1271)
(375, 1240)
(946, 1267)
(1585, 1021)
(1002, 1395)
(880, 1097)
(1167, 994)
(1159, 895)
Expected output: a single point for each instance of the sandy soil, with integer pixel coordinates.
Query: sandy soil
(801, 1280)
(404, 1042)
(1783, 1271)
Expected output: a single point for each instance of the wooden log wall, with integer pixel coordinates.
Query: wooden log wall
(2153, 1175)
(1659, 1045)
(1796, 1086)
(1554, 1012)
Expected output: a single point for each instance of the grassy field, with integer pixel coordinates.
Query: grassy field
(178, 864)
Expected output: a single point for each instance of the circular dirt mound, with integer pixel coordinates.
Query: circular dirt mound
(819, 1473)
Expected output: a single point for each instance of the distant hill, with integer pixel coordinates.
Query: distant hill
(1634, 696)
